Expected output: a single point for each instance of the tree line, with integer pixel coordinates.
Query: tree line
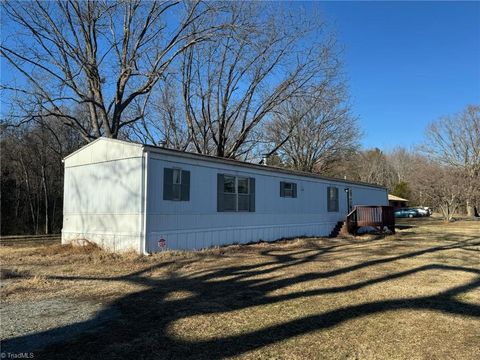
(442, 173)
(243, 80)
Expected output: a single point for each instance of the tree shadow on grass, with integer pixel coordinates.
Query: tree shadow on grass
(142, 330)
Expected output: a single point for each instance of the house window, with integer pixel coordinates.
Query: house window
(332, 199)
(243, 203)
(288, 189)
(235, 193)
(229, 194)
(176, 184)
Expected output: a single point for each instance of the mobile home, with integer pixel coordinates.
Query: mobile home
(127, 196)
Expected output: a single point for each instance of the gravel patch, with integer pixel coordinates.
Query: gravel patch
(32, 325)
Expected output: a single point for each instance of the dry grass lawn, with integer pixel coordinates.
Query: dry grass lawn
(413, 295)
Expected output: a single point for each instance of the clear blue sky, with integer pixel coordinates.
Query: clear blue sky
(408, 63)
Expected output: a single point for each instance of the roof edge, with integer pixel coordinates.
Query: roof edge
(227, 161)
(102, 138)
(396, 198)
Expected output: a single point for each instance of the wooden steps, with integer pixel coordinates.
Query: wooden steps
(340, 227)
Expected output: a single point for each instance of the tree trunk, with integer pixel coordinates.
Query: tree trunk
(54, 205)
(45, 195)
(17, 198)
(470, 208)
(37, 217)
(29, 195)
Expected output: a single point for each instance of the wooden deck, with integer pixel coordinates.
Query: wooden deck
(379, 217)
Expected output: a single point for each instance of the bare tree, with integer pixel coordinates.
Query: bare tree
(163, 123)
(32, 175)
(103, 55)
(372, 167)
(314, 132)
(402, 164)
(232, 85)
(454, 141)
(439, 186)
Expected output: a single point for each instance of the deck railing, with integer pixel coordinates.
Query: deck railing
(378, 217)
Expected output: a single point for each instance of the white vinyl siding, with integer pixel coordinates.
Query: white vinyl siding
(114, 196)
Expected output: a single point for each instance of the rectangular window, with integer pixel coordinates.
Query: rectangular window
(177, 176)
(332, 199)
(176, 184)
(229, 184)
(229, 194)
(243, 203)
(288, 189)
(242, 185)
(235, 193)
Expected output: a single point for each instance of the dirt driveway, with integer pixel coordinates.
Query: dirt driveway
(414, 295)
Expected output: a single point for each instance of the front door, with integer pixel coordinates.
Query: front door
(349, 199)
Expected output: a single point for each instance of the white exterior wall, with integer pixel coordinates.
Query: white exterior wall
(103, 195)
(105, 199)
(196, 223)
(364, 195)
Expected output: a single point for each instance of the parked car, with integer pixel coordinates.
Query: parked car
(429, 210)
(422, 211)
(406, 213)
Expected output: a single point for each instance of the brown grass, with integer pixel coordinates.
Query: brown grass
(414, 295)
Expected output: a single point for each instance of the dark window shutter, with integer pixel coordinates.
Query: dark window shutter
(282, 189)
(185, 191)
(294, 190)
(252, 195)
(220, 181)
(167, 184)
(329, 201)
(336, 199)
